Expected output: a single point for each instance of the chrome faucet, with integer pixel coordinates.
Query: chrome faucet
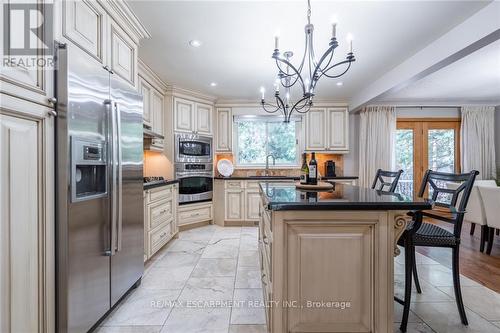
(267, 163)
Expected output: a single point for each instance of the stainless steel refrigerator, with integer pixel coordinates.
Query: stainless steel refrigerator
(99, 213)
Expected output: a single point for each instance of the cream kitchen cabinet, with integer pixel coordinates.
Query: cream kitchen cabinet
(241, 200)
(235, 204)
(29, 82)
(123, 57)
(160, 218)
(152, 89)
(107, 30)
(27, 227)
(192, 117)
(195, 213)
(145, 90)
(327, 130)
(224, 130)
(85, 24)
(252, 202)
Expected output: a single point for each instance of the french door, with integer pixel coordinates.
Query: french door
(423, 144)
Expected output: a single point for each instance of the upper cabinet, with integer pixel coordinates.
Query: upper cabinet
(192, 117)
(183, 115)
(315, 129)
(152, 89)
(224, 131)
(85, 24)
(145, 90)
(327, 129)
(123, 58)
(203, 114)
(107, 30)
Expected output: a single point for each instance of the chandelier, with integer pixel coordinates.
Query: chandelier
(290, 75)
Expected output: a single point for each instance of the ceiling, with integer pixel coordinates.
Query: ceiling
(474, 79)
(237, 40)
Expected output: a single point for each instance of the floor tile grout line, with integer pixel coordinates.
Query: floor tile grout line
(190, 274)
(234, 285)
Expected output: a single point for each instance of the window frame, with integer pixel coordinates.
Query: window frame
(299, 140)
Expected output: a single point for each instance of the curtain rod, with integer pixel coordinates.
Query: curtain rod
(427, 106)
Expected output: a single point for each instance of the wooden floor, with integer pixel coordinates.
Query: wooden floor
(475, 265)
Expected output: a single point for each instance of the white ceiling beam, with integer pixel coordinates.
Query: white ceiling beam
(477, 31)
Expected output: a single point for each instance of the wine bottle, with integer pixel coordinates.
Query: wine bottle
(313, 170)
(304, 171)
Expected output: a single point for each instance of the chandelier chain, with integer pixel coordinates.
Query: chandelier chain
(309, 11)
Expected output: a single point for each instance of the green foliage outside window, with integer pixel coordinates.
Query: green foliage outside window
(257, 139)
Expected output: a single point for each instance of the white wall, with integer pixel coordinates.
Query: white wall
(428, 112)
(497, 137)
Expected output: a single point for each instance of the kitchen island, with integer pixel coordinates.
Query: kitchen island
(327, 257)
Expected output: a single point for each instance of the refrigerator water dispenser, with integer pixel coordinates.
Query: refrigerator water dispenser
(88, 169)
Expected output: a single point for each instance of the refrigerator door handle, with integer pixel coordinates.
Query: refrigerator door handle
(119, 178)
(114, 172)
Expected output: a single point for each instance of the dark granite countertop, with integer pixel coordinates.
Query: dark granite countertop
(279, 178)
(284, 196)
(160, 183)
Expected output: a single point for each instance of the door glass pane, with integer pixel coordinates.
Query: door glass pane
(404, 160)
(441, 150)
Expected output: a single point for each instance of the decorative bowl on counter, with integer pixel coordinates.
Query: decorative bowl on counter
(225, 167)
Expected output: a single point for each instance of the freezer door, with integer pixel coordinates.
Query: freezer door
(83, 237)
(128, 219)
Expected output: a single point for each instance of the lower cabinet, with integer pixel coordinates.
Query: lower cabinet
(195, 213)
(241, 200)
(160, 218)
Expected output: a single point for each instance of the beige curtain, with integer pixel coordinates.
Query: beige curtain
(376, 142)
(478, 140)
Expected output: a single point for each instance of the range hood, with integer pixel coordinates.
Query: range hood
(152, 140)
(148, 133)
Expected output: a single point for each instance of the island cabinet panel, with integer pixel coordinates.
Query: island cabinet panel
(330, 277)
(327, 270)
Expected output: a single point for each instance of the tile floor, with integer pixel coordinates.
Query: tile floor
(188, 285)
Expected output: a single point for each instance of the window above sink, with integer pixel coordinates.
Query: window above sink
(258, 137)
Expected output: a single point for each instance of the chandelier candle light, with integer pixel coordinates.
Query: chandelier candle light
(289, 75)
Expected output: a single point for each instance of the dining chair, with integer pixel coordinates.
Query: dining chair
(419, 233)
(491, 201)
(386, 178)
(475, 210)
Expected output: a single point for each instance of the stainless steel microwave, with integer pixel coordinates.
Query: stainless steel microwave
(193, 148)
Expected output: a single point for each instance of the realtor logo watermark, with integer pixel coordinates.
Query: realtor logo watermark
(28, 35)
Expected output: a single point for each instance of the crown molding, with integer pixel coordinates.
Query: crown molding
(119, 10)
(150, 75)
(253, 104)
(177, 91)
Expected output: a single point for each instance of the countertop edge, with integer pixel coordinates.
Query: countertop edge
(167, 182)
(281, 178)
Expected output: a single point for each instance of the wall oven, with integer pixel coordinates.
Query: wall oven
(193, 148)
(195, 181)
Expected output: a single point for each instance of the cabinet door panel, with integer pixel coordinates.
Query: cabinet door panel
(20, 79)
(224, 130)
(157, 111)
(315, 129)
(204, 119)
(333, 246)
(252, 206)
(338, 129)
(145, 91)
(123, 54)
(83, 24)
(20, 245)
(184, 115)
(234, 205)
